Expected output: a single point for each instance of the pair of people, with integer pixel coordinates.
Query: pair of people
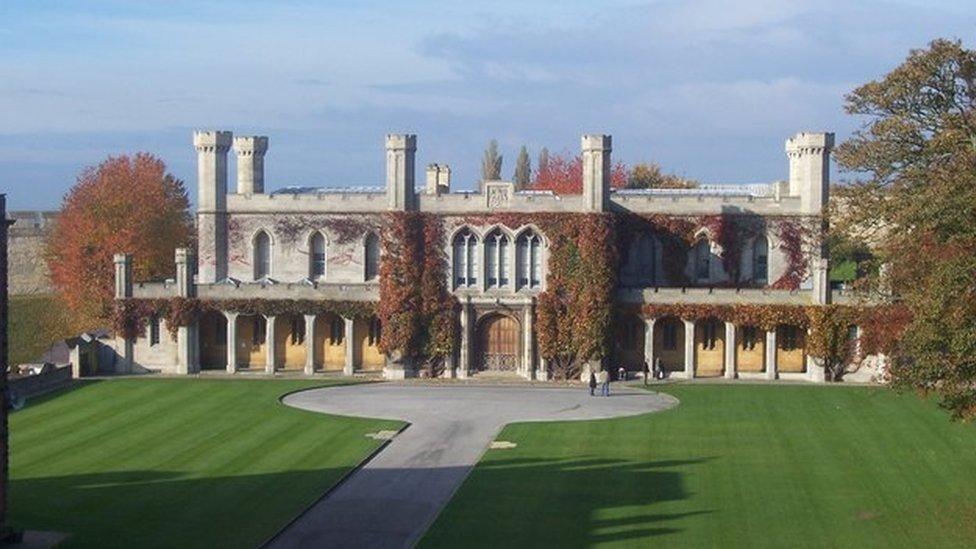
(601, 379)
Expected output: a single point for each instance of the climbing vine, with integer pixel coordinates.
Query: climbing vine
(131, 315)
(401, 270)
(438, 306)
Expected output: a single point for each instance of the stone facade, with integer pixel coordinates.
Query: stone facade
(26, 240)
(302, 243)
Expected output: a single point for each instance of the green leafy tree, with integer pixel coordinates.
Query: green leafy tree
(915, 155)
(543, 163)
(491, 164)
(523, 169)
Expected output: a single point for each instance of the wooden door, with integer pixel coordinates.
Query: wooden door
(498, 344)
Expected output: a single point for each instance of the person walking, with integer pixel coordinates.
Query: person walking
(592, 382)
(603, 378)
(646, 370)
(621, 374)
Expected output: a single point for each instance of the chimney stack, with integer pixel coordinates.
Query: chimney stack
(438, 179)
(250, 163)
(596, 171)
(401, 150)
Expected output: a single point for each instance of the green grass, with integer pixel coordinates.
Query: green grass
(168, 462)
(36, 322)
(731, 466)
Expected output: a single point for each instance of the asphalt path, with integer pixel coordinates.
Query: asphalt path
(392, 499)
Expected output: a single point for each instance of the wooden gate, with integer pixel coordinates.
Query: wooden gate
(498, 344)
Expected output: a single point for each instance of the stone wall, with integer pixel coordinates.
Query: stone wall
(28, 273)
(30, 386)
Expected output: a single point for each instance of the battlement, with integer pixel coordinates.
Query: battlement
(212, 141)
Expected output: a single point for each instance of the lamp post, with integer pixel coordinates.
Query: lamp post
(6, 533)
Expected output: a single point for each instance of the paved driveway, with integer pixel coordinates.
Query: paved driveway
(393, 499)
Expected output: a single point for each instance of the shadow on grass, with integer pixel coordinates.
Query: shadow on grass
(571, 502)
(165, 508)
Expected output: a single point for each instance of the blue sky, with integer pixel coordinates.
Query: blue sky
(708, 89)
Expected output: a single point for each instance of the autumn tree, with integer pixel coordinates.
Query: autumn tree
(491, 163)
(125, 204)
(650, 176)
(563, 174)
(523, 169)
(915, 156)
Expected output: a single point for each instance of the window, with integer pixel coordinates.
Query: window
(262, 255)
(760, 260)
(154, 330)
(317, 256)
(703, 257)
(709, 334)
(528, 261)
(640, 264)
(372, 267)
(496, 259)
(337, 330)
(750, 337)
(297, 330)
(373, 338)
(670, 335)
(257, 330)
(465, 259)
(788, 337)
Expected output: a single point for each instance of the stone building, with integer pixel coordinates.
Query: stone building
(324, 244)
(26, 238)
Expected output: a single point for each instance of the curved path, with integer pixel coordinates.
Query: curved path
(393, 498)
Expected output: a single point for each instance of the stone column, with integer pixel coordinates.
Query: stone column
(123, 290)
(350, 331)
(689, 349)
(649, 343)
(184, 355)
(309, 344)
(730, 344)
(212, 147)
(231, 342)
(250, 163)
(771, 354)
(596, 171)
(465, 354)
(528, 367)
(401, 150)
(269, 345)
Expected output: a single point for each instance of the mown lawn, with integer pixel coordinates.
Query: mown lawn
(176, 463)
(36, 322)
(731, 466)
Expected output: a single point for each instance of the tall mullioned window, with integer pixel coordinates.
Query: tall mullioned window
(640, 264)
(528, 261)
(760, 260)
(465, 259)
(317, 256)
(262, 255)
(703, 260)
(497, 264)
(372, 259)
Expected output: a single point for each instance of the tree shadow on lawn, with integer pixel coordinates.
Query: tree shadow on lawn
(166, 508)
(571, 502)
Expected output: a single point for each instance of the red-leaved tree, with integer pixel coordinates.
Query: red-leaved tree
(125, 204)
(564, 175)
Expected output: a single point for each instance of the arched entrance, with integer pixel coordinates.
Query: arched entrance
(498, 344)
(629, 343)
(213, 341)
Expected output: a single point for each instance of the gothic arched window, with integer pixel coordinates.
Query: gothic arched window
(497, 264)
(262, 255)
(760, 260)
(640, 264)
(371, 270)
(465, 259)
(317, 258)
(528, 261)
(703, 260)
